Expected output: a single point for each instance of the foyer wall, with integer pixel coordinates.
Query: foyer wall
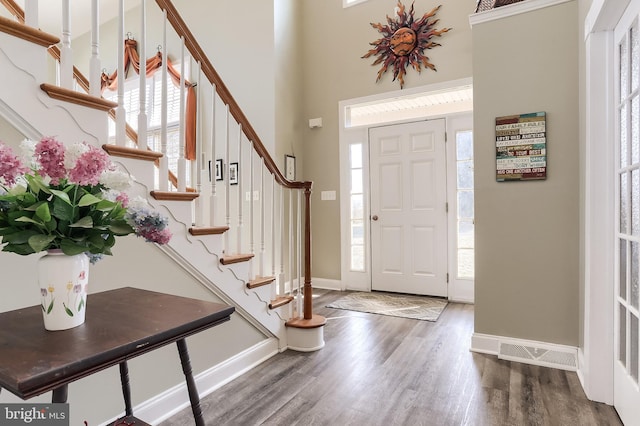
(334, 39)
(527, 233)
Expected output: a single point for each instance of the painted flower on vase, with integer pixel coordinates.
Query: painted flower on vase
(71, 198)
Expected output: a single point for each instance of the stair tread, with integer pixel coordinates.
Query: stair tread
(235, 258)
(280, 301)
(208, 230)
(260, 281)
(126, 152)
(174, 195)
(78, 98)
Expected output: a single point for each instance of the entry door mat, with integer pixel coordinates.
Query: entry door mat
(396, 305)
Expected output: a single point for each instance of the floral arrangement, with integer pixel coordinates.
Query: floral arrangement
(69, 198)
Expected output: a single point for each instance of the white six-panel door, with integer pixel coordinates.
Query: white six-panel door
(408, 208)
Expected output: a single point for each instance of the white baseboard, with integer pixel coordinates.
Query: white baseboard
(171, 401)
(527, 351)
(327, 284)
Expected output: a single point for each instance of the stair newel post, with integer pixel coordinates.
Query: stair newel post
(31, 13)
(240, 189)
(198, 166)
(281, 240)
(274, 216)
(227, 167)
(164, 161)
(212, 162)
(66, 54)
(299, 248)
(121, 119)
(291, 233)
(308, 289)
(182, 162)
(94, 62)
(263, 213)
(142, 115)
(251, 210)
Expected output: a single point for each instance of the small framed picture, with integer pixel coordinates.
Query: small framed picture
(219, 175)
(233, 173)
(290, 167)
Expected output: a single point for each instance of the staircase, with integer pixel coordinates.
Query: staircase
(249, 243)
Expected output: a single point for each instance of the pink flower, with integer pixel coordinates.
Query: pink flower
(10, 165)
(156, 236)
(50, 154)
(123, 198)
(89, 167)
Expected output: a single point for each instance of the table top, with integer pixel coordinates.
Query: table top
(120, 324)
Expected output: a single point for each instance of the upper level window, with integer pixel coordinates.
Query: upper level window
(347, 3)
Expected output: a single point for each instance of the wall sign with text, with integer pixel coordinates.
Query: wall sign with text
(521, 147)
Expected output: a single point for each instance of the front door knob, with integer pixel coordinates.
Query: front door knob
(374, 217)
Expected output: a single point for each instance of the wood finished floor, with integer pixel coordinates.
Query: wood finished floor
(380, 370)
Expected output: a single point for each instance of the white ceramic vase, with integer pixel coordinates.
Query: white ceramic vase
(63, 282)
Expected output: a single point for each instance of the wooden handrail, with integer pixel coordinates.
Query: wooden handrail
(15, 9)
(214, 78)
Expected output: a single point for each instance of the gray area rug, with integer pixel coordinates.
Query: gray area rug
(396, 305)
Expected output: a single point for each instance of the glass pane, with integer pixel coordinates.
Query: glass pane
(635, 119)
(624, 141)
(465, 175)
(633, 346)
(623, 269)
(635, 272)
(465, 263)
(464, 145)
(465, 204)
(624, 203)
(357, 258)
(356, 181)
(357, 232)
(624, 68)
(465, 234)
(622, 337)
(356, 207)
(356, 156)
(635, 56)
(635, 202)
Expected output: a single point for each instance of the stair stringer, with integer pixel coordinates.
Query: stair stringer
(24, 66)
(198, 256)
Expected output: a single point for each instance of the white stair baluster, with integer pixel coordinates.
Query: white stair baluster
(94, 62)
(31, 13)
(199, 165)
(182, 162)
(212, 153)
(164, 161)
(142, 114)
(227, 167)
(251, 211)
(66, 54)
(240, 189)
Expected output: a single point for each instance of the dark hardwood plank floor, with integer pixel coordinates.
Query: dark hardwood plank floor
(387, 371)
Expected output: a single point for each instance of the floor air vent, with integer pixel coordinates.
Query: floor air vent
(547, 356)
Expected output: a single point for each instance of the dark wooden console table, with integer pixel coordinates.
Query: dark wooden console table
(121, 324)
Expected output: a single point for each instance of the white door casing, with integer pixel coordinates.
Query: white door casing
(408, 208)
(627, 206)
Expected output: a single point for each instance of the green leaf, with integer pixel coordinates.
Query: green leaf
(51, 225)
(88, 200)
(62, 210)
(96, 241)
(61, 195)
(81, 304)
(67, 310)
(43, 212)
(33, 207)
(27, 219)
(85, 222)
(121, 228)
(50, 306)
(106, 206)
(20, 237)
(70, 248)
(40, 242)
(21, 249)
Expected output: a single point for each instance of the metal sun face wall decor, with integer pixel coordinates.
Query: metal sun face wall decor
(404, 42)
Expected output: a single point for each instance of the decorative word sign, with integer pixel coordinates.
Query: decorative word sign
(521, 147)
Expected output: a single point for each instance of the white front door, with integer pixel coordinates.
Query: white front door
(627, 165)
(408, 208)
